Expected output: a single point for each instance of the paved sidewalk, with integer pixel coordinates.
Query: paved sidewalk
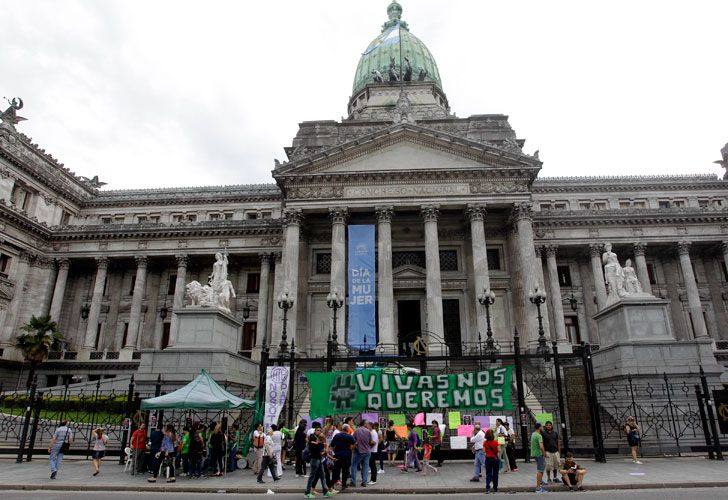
(618, 473)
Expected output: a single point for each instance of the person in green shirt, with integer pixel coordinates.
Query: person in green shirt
(233, 445)
(537, 453)
(185, 451)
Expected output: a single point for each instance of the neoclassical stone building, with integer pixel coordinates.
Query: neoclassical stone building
(458, 208)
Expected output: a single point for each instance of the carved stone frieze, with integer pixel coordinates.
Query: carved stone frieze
(273, 240)
(315, 192)
(498, 186)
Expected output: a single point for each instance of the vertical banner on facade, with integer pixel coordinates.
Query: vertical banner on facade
(276, 389)
(362, 318)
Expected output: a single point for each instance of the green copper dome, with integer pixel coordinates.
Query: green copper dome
(385, 50)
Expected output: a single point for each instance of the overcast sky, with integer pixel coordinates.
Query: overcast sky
(184, 93)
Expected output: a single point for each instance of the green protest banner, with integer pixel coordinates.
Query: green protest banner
(372, 390)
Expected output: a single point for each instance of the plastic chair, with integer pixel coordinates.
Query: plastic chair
(128, 464)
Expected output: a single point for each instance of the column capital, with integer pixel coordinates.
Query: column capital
(26, 257)
(43, 262)
(430, 213)
(141, 260)
(182, 260)
(63, 263)
(265, 257)
(538, 250)
(551, 250)
(278, 256)
(338, 215)
(639, 249)
(102, 262)
(384, 214)
(292, 217)
(724, 247)
(475, 213)
(683, 247)
(522, 211)
(595, 250)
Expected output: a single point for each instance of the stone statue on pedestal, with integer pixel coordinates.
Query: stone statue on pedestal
(218, 291)
(631, 283)
(622, 282)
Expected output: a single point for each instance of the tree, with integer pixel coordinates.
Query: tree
(42, 336)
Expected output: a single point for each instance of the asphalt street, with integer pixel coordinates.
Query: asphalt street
(659, 494)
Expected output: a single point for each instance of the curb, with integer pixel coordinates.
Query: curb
(369, 490)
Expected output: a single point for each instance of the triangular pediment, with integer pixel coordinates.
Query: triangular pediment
(409, 272)
(406, 148)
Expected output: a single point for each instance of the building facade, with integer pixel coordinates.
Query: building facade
(458, 206)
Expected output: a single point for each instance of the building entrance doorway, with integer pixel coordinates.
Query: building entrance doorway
(409, 324)
(451, 325)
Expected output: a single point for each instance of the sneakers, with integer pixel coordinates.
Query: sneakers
(474, 479)
(638, 462)
(329, 493)
(309, 495)
(54, 474)
(260, 481)
(370, 482)
(151, 480)
(541, 490)
(380, 471)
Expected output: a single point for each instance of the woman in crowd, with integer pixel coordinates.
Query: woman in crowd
(166, 455)
(197, 444)
(217, 445)
(99, 440)
(436, 442)
(258, 444)
(299, 444)
(233, 445)
(492, 450)
(317, 452)
(633, 437)
(391, 442)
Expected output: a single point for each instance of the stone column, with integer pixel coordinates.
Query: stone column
(530, 268)
(557, 307)
(263, 292)
(293, 218)
(724, 248)
(694, 305)
(21, 276)
(476, 216)
(640, 265)
(102, 264)
(59, 290)
(135, 313)
(338, 216)
(47, 283)
(179, 296)
(274, 336)
(432, 261)
(595, 252)
(387, 333)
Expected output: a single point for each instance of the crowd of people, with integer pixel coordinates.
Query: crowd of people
(336, 454)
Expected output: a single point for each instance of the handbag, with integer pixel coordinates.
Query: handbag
(66, 446)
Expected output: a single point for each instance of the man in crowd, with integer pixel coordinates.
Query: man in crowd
(551, 446)
(138, 446)
(572, 474)
(342, 444)
(537, 453)
(479, 463)
(362, 453)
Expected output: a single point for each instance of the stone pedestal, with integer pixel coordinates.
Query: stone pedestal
(206, 338)
(634, 319)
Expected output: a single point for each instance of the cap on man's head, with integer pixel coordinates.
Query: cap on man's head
(537, 426)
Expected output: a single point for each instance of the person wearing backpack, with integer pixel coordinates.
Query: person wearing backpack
(60, 444)
(314, 454)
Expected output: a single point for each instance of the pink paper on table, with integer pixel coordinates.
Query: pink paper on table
(370, 417)
(483, 421)
(465, 430)
(420, 419)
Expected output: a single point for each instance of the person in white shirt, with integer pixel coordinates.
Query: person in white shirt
(258, 444)
(374, 452)
(277, 438)
(268, 457)
(501, 432)
(477, 441)
(511, 447)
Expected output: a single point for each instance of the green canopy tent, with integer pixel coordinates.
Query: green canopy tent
(203, 393)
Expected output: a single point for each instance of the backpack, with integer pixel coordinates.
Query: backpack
(258, 441)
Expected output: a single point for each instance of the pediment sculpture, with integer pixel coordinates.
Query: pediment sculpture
(217, 292)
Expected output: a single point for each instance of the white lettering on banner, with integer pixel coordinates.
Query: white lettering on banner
(406, 190)
(276, 389)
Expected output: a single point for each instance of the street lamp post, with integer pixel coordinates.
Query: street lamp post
(487, 299)
(285, 302)
(538, 297)
(335, 303)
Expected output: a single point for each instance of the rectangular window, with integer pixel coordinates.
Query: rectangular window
(141, 219)
(663, 204)
(133, 283)
(448, 260)
(265, 215)
(119, 219)
(176, 218)
(703, 203)
(584, 205)
(572, 329)
(214, 216)
(251, 215)
(65, 218)
(192, 217)
(106, 220)
(678, 203)
(599, 205)
(165, 335)
(154, 218)
(228, 216)
(624, 204)
(125, 336)
(172, 284)
(651, 273)
(493, 259)
(248, 340)
(4, 263)
(253, 285)
(639, 204)
(564, 274)
(559, 206)
(323, 263)
(545, 206)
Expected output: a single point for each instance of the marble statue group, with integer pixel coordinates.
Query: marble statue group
(217, 292)
(621, 281)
